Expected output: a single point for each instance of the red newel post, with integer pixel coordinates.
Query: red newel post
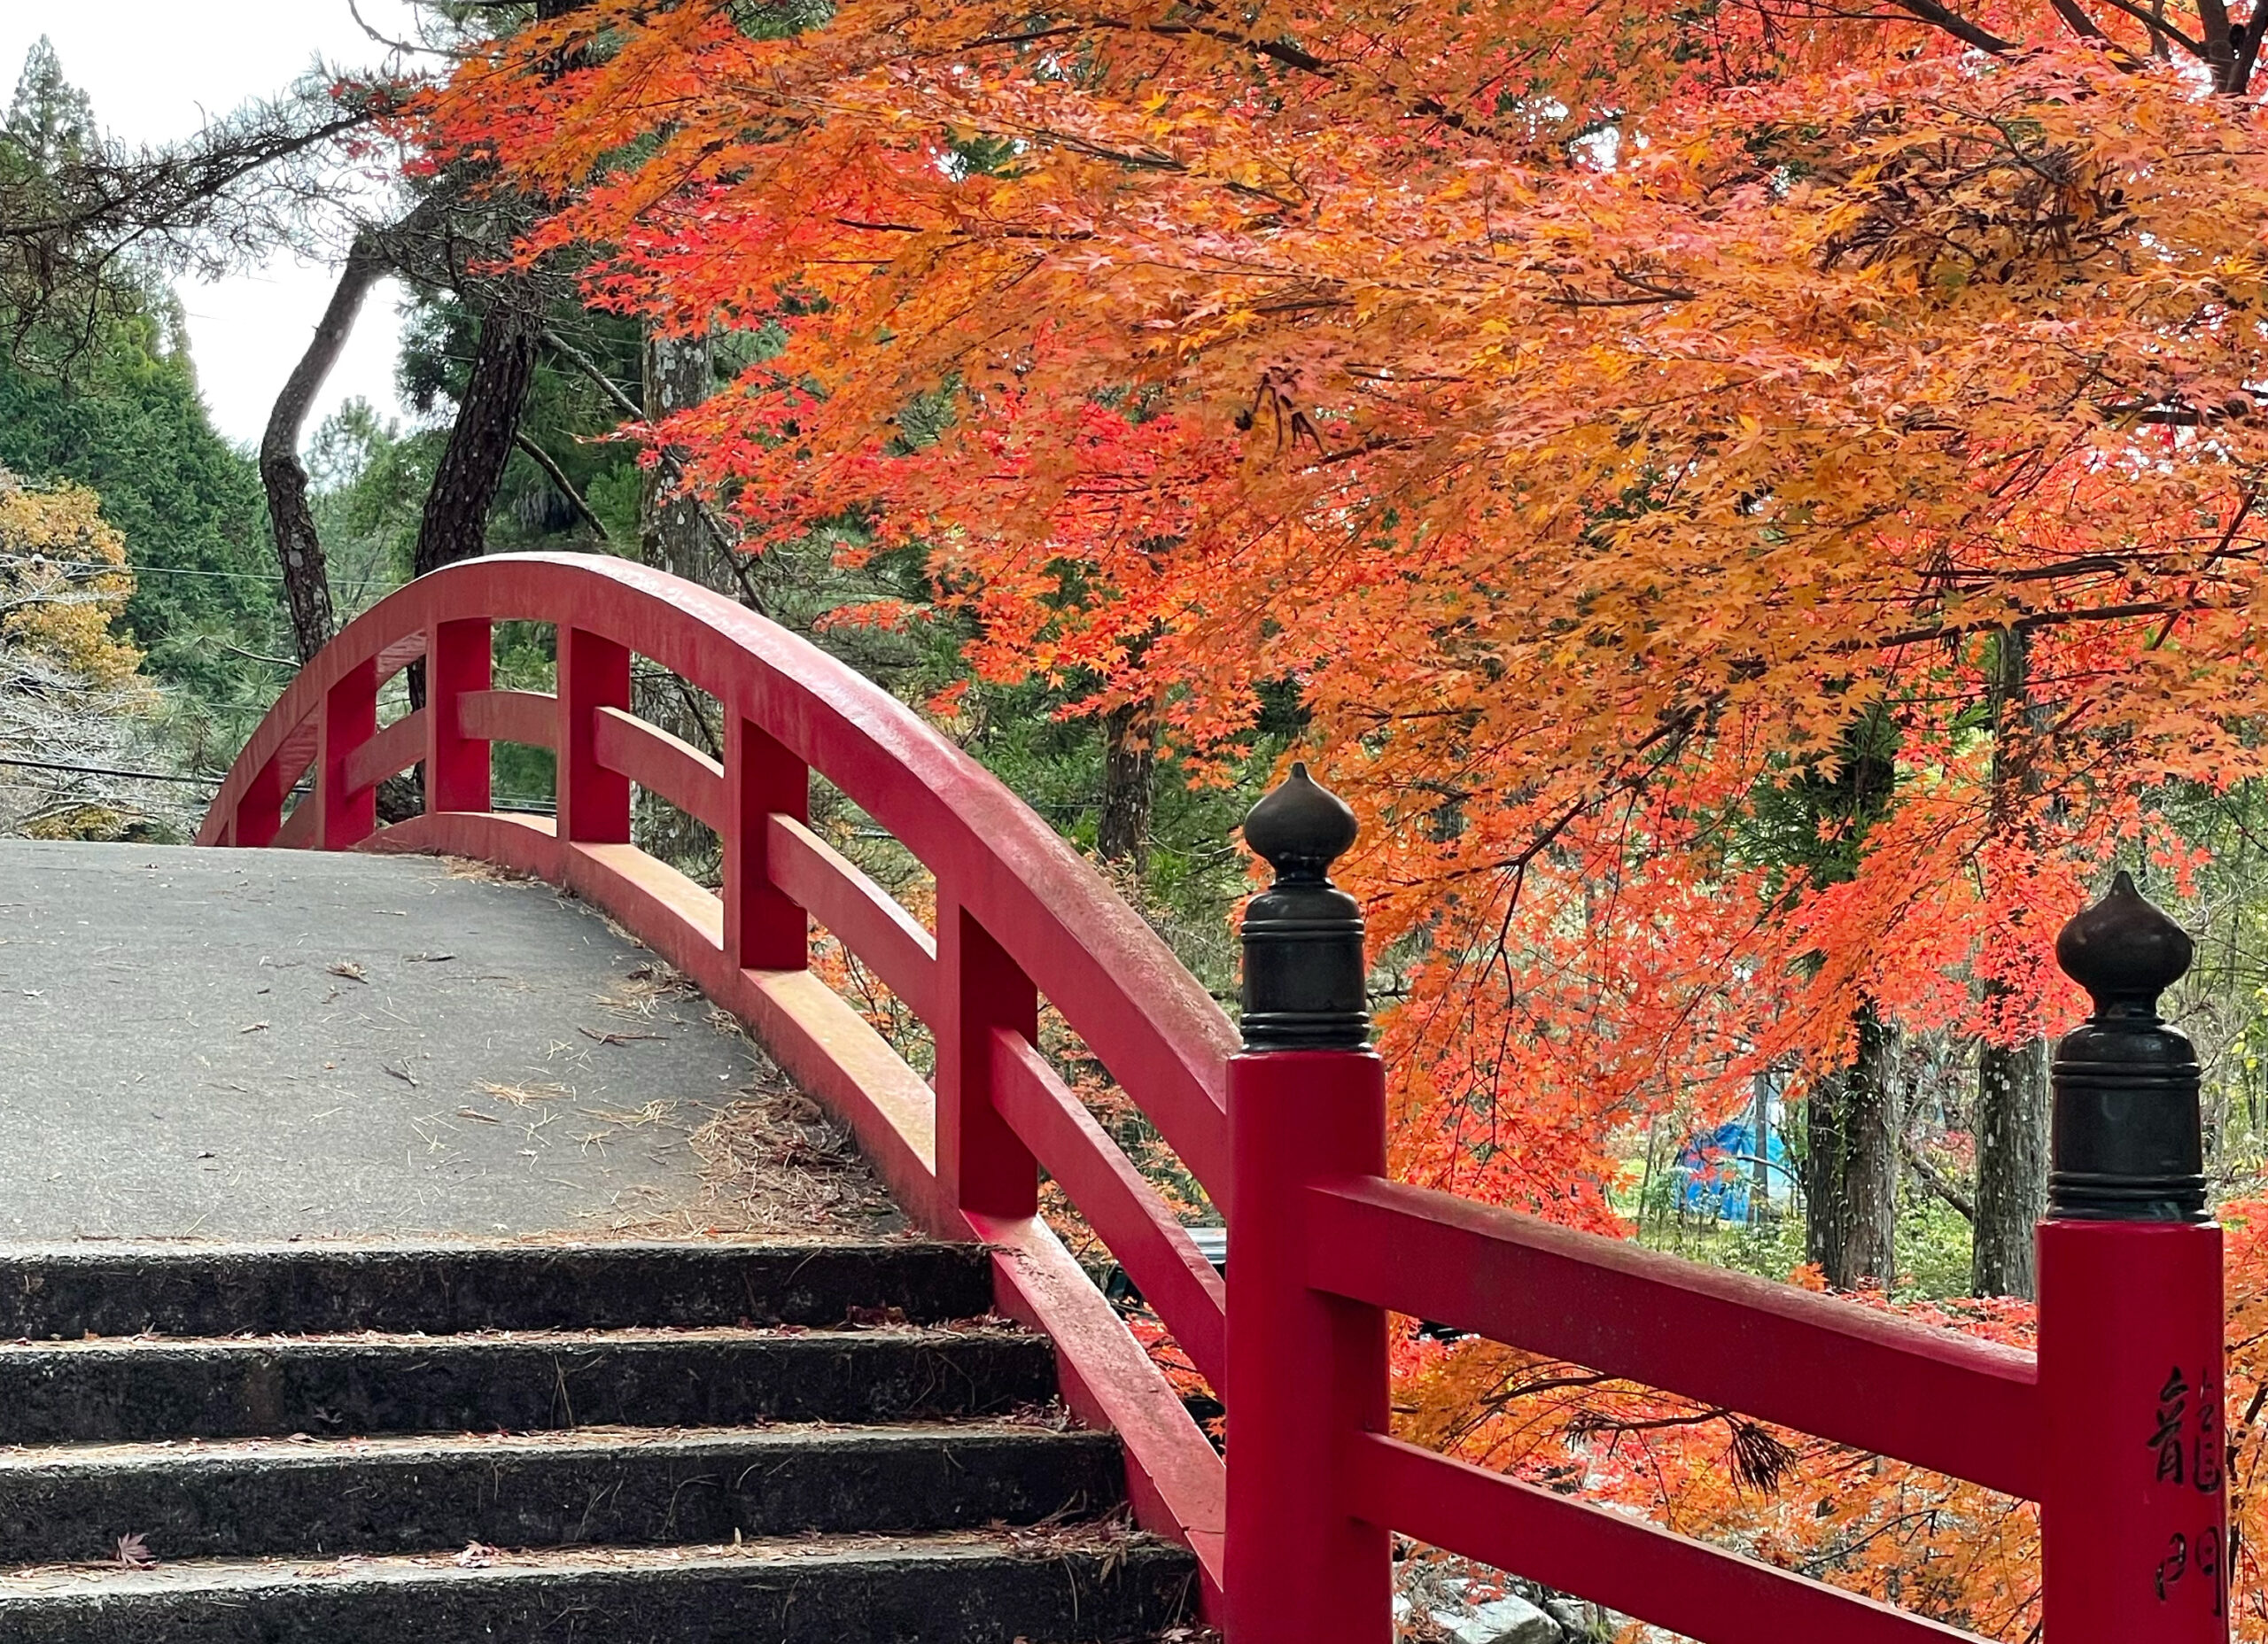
(2134, 1516)
(1306, 1103)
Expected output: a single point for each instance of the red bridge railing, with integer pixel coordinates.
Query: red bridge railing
(1293, 1539)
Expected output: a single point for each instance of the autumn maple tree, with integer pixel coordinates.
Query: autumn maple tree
(70, 687)
(1759, 502)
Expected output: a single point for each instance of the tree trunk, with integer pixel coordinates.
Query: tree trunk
(1760, 1190)
(1851, 1164)
(2011, 1123)
(678, 373)
(1130, 771)
(299, 546)
(481, 441)
(2011, 1166)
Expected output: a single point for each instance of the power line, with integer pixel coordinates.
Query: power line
(137, 776)
(510, 802)
(103, 568)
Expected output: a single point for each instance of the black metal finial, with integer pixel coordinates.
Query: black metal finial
(1303, 966)
(2129, 1140)
(2125, 951)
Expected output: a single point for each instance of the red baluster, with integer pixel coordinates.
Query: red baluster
(349, 719)
(763, 930)
(982, 1165)
(459, 657)
(1307, 1371)
(2135, 1518)
(594, 802)
(259, 814)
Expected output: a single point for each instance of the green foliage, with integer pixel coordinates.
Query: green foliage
(100, 391)
(369, 481)
(128, 425)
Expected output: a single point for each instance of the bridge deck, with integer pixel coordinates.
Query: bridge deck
(257, 1045)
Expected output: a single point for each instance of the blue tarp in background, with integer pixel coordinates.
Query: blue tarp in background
(1717, 1170)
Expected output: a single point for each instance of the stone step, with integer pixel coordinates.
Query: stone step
(70, 1291)
(614, 1486)
(988, 1589)
(113, 1392)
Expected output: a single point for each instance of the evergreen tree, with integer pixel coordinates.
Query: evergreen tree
(50, 122)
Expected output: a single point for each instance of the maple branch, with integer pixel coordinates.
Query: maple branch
(2089, 565)
(2035, 619)
(1958, 26)
(1651, 292)
(2242, 512)
(1275, 51)
(2157, 25)
(2077, 21)
(2174, 414)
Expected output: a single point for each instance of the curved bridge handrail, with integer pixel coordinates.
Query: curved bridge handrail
(1019, 914)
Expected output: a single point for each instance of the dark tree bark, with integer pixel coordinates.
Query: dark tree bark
(1850, 1123)
(1851, 1161)
(2011, 1080)
(678, 373)
(481, 441)
(2011, 1166)
(299, 548)
(1130, 774)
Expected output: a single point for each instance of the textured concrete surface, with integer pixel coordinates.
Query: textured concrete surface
(616, 1487)
(65, 1292)
(932, 1590)
(268, 1045)
(148, 1392)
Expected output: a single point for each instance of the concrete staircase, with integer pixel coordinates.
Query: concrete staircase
(608, 1444)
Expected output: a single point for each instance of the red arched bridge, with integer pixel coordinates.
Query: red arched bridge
(1285, 1128)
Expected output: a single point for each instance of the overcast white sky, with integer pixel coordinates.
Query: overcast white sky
(154, 68)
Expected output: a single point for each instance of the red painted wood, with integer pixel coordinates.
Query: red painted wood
(347, 814)
(397, 655)
(764, 927)
(257, 821)
(1140, 1227)
(1175, 1479)
(888, 941)
(593, 673)
(982, 1165)
(299, 830)
(528, 717)
(268, 787)
(1145, 1017)
(457, 762)
(1307, 1370)
(1291, 1536)
(1689, 1587)
(2131, 1371)
(391, 752)
(661, 764)
(1842, 1371)
(1032, 908)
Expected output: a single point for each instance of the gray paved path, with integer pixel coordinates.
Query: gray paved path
(224, 1044)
